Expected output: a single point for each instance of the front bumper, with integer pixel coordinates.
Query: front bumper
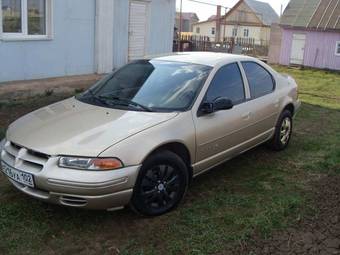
(113, 201)
(76, 188)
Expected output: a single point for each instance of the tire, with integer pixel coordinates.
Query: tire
(283, 132)
(161, 184)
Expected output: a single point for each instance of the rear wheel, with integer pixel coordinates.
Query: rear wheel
(283, 132)
(161, 184)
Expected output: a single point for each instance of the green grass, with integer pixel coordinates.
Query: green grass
(316, 87)
(253, 194)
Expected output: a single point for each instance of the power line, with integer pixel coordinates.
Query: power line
(215, 5)
(227, 8)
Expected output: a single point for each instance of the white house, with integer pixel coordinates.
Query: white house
(49, 38)
(247, 19)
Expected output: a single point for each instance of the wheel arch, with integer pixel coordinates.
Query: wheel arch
(290, 107)
(180, 149)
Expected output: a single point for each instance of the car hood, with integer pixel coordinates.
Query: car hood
(71, 127)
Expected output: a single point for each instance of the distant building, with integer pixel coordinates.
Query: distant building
(247, 19)
(308, 35)
(188, 19)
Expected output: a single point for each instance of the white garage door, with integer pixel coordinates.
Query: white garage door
(298, 49)
(137, 29)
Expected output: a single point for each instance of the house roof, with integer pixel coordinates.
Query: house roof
(312, 14)
(263, 11)
(188, 15)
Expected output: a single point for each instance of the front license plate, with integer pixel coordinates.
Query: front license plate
(17, 175)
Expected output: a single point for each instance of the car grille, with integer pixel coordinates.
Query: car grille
(22, 158)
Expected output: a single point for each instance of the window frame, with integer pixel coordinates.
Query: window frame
(213, 30)
(248, 83)
(198, 30)
(232, 32)
(23, 36)
(337, 47)
(246, 32)
(245, 99)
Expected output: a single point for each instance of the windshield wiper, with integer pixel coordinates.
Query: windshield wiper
(99, 99)
(126, 102)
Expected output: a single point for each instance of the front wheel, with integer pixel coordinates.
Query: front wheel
(283, 132)
(161, 184)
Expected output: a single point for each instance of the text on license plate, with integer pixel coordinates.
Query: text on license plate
(17, 175)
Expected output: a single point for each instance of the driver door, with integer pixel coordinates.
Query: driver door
(222, 134)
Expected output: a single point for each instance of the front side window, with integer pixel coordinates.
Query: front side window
(156, 85)
(227, 83)
(198, 30)
(24, 17)
(337, 49)
(260, 80)
(212, 30)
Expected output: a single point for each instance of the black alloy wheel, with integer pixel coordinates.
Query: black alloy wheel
(161, 185)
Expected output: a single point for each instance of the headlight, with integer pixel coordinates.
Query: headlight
(99, 164)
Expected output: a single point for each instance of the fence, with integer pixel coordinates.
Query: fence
(246, 46)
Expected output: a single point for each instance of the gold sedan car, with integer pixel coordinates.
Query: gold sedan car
(139, 135)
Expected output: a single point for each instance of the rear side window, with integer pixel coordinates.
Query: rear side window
(260, 80)
(227, 83)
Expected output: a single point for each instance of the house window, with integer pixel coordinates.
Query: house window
(337, 48)
(246, 32)
(234, 32)
(198, 30)
(212, 30)
(25, 19)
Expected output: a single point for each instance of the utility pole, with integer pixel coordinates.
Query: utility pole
(180, 26)
(218, 24)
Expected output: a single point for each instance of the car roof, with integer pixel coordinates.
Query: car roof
(203, 58)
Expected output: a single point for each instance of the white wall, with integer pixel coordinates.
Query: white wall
(162, 23)
(260, 34)
(205, 29)
(70, 51)
(160, 29)
(76, 48)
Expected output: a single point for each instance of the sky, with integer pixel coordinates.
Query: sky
(205, 11)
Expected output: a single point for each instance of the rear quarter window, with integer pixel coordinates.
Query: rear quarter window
(261, 82)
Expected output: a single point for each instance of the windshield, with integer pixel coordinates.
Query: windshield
(149, 85)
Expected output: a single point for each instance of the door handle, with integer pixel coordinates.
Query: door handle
(246, 116)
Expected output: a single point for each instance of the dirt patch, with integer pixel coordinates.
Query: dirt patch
(23, 89)
(318, 234)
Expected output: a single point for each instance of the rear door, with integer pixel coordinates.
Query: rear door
(263, 102)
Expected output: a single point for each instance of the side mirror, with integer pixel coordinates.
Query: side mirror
(223, 104)
(218, 105)
(207, 108)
